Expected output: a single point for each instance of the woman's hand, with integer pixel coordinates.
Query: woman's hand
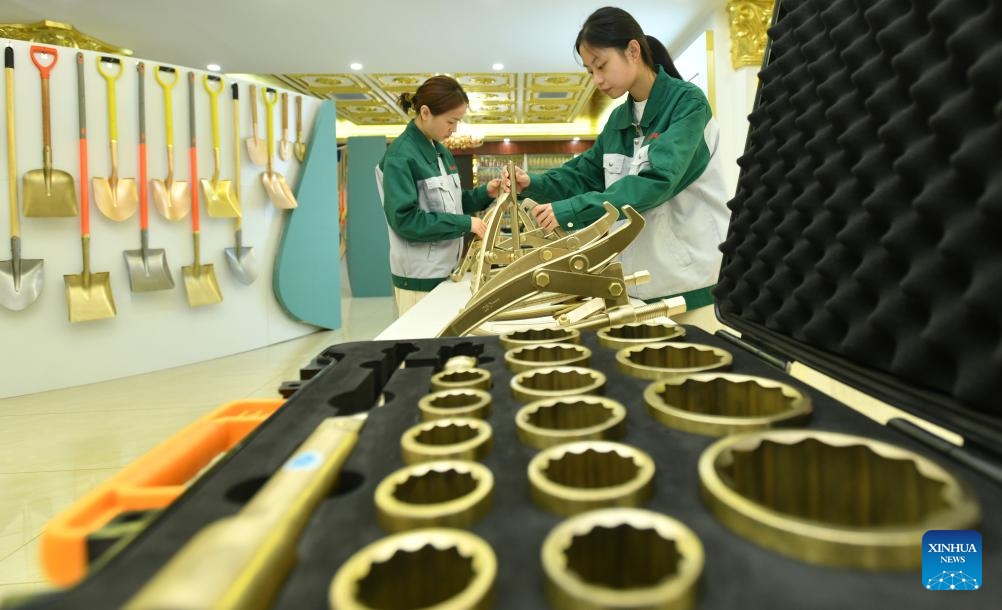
(545, 217)
(477, 227)
(521, 178)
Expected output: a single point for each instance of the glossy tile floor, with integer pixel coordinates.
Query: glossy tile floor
(58, 445)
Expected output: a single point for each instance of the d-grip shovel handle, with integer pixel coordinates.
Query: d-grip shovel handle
(214, 96)
(192, 152)
(112, 105)
(45, 71)
(144, 202)
(168, 102)
(82, 110)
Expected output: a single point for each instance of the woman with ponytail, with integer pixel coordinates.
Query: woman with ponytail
(427, 213)
(658, 153)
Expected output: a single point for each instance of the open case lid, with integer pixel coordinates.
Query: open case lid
(866, 234)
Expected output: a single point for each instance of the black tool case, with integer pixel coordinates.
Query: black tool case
(863, 243)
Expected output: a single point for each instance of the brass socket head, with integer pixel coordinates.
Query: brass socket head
(461, 402)
(452, 493)
(452, 438)
(661, 360)
(620, 559)
(451, 379)
(717, 404)
(527, 357)
(529, 336)
(574, 477)
(428, 568)
(553, 421)
(556, 381)
(832, 499)
(638, 333)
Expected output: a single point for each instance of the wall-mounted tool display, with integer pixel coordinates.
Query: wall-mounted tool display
(22, 277)
(220, 201)
(240, 258)
(200, 283)
(148, 268)
(274, 183)
(172, 198)
(256, 148)
(48, 192)
(88, 294)
(115, 197)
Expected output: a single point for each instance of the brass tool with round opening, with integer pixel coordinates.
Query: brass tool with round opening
(452, 493)
(527, 357)
(453, 438)
(832, 499)
(717, 404)
(660, 360)
(469, 378)
(460, 362)
(574, 477)
(556, 381)
(436, 567)
(622, 558)
(552, 421)
(638, 333)
(530, 336)
(462, 402)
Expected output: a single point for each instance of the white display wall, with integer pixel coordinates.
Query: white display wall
(39, 348)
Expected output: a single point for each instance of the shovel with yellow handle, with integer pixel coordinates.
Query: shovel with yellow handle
(274, 183)
(47, 192)
(88, 294)
(220, 200)
(200, 283)
(171, 198)
(300, 146)
(20, 278)
(242, 561)
(115, 197)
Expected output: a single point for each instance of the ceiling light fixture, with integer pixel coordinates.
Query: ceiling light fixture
(213, 67)
(507, 140)
(356, 66)
(575, 139)
(498, 66)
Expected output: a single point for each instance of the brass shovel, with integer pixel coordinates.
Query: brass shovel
(88, 294)
(274, 183)
(47, 192)
(284, 145)
(300, 147)
(148, 269)
(199, 280)
(220, 200)
(240, 258)
(172, 199)
(115, 197)
(22, 277)
(255, 146)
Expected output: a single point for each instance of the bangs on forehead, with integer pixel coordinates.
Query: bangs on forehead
(590, 54)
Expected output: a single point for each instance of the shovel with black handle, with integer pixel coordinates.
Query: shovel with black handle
(22, 278)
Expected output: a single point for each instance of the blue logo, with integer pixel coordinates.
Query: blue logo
(308, 460)
(951, 560)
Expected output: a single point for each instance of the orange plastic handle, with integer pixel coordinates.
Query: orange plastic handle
(36, 50)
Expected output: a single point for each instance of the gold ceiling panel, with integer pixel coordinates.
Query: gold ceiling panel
(495, 97)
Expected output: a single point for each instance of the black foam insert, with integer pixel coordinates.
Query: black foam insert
(737, 572)
(865, 233)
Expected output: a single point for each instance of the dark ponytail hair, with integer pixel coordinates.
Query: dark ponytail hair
(439, 93)
(613, 28)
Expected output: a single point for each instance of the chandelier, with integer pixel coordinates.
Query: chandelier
(462, 141)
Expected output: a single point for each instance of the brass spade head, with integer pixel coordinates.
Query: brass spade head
(201, 286)
(220, 198)
(117, 198)
(172, 199)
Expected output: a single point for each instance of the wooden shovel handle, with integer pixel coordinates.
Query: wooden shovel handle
(299, 118)
(45, 71)
(15, 221)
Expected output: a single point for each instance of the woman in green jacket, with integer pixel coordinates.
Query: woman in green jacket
(427, 213)
(658, 153)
